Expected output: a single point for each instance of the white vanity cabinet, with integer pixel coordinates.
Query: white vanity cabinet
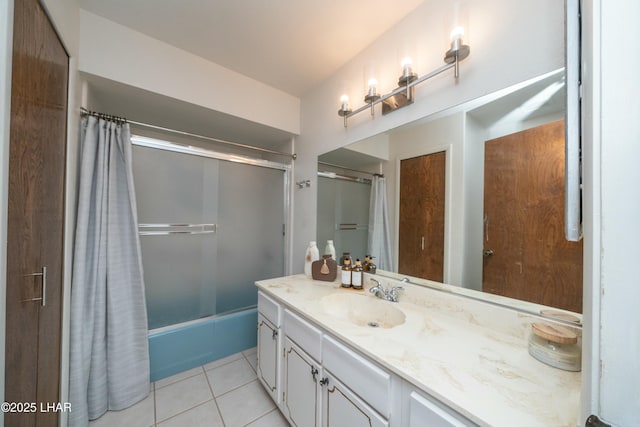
(343, 408)
(422, 410)
(326, 384)
(269, 344)
(301, 386)
(302, 371)
(318, 381)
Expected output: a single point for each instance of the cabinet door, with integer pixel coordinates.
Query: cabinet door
(268, 356)
(301, 386)
(342, 408)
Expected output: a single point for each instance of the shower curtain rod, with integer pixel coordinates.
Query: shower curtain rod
(350, 169)
(334, 175)
(85, 112)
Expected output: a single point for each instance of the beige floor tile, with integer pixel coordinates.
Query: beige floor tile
(272, 419)
(180, 396)
(244, 405)
(232, 375)
(139, 415)
(223, 361)
(252, 357)
(205, 415)
(250, 352)
(178, 377)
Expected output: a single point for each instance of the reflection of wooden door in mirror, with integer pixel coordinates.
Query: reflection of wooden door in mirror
(421, 219)
(526, 255)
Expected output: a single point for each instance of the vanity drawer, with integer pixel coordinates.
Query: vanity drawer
(364, 378)
(305, 335)
(425, 411)
(269, 309)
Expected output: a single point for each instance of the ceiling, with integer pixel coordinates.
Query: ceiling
(292, 45)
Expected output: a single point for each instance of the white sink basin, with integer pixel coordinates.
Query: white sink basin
(362, 310)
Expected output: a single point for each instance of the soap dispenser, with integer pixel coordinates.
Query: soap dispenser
(330, 249)
(356, 275)
(345, 281)
(312, 255)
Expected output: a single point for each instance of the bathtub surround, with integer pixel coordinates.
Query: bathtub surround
(181, 347)
(109, 356)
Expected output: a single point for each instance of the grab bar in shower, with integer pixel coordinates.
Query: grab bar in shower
(167, 229)
(342, 227)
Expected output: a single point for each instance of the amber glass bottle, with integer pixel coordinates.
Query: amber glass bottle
(346, 274)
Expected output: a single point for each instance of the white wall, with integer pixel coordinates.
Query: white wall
(510, 42)
(115, 52)
(614, 106)
(473, 172)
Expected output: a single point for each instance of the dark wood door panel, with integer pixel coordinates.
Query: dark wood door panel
(421, 222)
(524, 214)
(37, 157)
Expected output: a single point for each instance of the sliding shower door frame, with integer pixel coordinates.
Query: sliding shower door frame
(160, 144)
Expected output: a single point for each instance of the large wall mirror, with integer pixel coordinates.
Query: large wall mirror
(475, 197)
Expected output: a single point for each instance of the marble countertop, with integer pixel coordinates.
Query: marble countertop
(470, 355)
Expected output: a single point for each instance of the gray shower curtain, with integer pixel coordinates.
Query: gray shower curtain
(379, 243)
(109, 356)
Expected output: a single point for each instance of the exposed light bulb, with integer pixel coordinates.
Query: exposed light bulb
(373, 83)
(457, 33)
(344, 99)
(407, 72)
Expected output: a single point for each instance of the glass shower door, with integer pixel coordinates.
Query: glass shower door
(343, 215)
(236, 215)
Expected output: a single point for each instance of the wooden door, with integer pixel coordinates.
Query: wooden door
(35, 214)
(421, 219)
(526, 254)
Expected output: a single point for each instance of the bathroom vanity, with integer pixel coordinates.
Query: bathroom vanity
(335, 357)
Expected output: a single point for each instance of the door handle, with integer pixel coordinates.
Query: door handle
(488, 253)
(43, 297)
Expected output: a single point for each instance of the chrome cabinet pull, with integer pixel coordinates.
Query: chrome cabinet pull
(43, 297)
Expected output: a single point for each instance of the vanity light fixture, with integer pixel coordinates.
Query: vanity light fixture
(404, 94)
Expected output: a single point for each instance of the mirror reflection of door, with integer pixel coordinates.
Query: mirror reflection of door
(526, 255)
(421, 217)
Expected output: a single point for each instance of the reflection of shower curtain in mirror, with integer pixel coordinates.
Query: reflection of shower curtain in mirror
(379, 243)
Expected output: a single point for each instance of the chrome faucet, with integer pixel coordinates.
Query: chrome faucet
(384, 293)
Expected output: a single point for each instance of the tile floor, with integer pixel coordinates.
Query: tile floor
(224, 393)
